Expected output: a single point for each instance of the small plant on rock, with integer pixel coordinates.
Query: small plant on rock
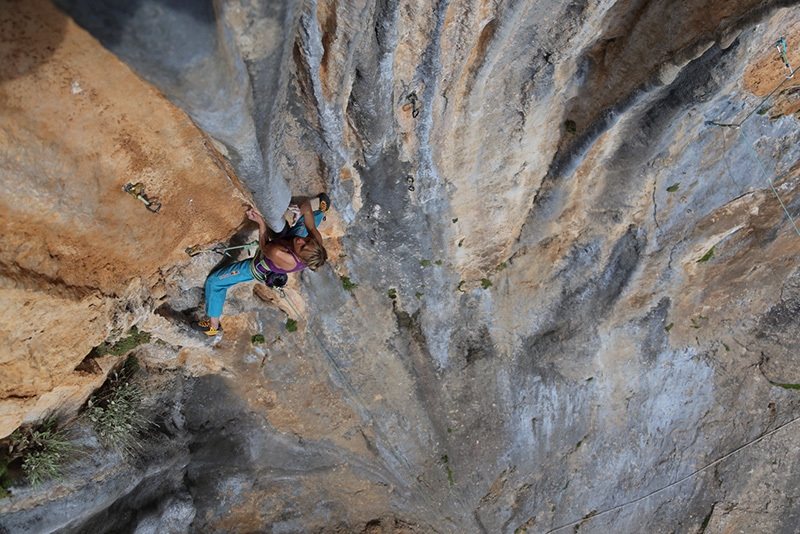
(348, 284)
(132, 339)
(43, 451)
(115, 410)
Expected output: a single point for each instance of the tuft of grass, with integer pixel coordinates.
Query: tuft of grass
(455, 220)
(438, 262)
(461, 284)
(707, 256)
(461, 242)
(673, 187)
(392, 293)
(486, 283)
(347, 284)
(115, 412)
(132, 339)
(44, 451)
(291, 325)
(257, 339)
(425, 263)
(785, 386)
(669, 327)
(449, 475)
(449, 471)
(419, 295)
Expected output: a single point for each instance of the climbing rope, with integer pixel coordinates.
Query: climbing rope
(769, 181)
(137, 191)
(668, 486)
(197, 249)
(403, 464)
(781, 46)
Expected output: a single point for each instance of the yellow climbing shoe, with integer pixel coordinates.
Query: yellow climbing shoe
(324, 203)
(205, 327)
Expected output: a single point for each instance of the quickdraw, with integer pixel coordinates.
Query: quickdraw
(197, 249)
(780, 44)
(414, 101)
(137, 191)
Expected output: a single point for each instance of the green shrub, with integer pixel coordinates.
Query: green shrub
(115, 411)
(291, 325)
(44, 450)
(257, 339)
(133, 339)
(347, 284)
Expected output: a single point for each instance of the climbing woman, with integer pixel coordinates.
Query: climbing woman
(297, 248)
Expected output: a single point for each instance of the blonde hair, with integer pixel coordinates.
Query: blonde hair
(314, 255)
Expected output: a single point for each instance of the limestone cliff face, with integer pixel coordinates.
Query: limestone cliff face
(81, 257)
(576, 286)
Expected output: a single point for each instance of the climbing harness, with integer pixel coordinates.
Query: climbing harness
(137, 191)
(410, 180)
(414, 101)
(780, 44)
(197, 249)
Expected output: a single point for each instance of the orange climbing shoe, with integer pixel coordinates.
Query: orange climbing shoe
(206, 328)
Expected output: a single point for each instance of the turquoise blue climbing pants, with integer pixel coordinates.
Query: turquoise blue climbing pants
(218, 282)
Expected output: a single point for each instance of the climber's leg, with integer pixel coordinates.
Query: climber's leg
(217, 285)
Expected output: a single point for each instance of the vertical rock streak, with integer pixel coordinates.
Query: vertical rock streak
(503, 374)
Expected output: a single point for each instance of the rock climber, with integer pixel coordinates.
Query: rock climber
(296, 248)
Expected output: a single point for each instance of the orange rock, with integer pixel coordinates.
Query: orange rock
(76, 126)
